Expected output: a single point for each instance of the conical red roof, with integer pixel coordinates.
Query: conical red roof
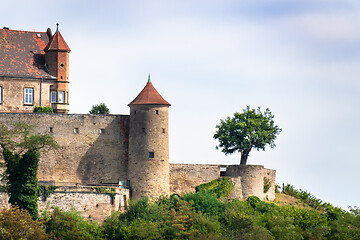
(149, 95)
(57, 43)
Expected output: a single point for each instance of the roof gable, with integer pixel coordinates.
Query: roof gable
(22, 54)
(149, 95)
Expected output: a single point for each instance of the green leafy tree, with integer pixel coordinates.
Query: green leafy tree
(21, 149)
(99, 109)
(247, 130)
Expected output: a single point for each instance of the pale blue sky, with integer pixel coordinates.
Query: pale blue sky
(209, 59)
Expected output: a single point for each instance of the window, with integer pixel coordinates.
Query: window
(151, 154)
(163, 130)
(143, 130)
(157, 111)
(101, 130)
(53, 97)
(76, 130)
(29, 96)
(0, 94)
(51, 130)
(222, 171)
(61, 96)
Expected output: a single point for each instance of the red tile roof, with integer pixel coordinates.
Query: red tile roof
(57, 43)
(149, 95)
(22, 54)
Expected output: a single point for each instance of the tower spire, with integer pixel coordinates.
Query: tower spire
(57, 27)
(149, 80)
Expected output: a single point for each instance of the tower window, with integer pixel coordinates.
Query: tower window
(157, 111)
(151, 154)
(29, 96)
(51, 130)
(101, 130)
(76, 130)
(134, 112)
(163, 130)
(62, 65)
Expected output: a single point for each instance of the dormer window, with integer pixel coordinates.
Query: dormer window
(62, 65)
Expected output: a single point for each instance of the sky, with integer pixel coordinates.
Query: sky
(210, 59)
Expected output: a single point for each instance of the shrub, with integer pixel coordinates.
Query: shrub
(16, 223)
(220, 188)
(46, 109)
(70, 225)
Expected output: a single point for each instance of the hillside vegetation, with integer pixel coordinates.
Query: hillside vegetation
(206, 214)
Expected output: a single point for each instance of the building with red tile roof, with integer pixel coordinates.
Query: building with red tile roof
(34, 71)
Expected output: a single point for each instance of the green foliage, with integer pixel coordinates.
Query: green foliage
(18, 224)
(21, 151)
(99, 109)
(304, 196)
(247, 130)
(110, 191)
(205, 202)
(221, 187)
(267, 184)
(166, 218)
(45, 191)
(22, 180)
(70, 225)
(46, 109)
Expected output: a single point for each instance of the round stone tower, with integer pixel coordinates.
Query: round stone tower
(148, 166)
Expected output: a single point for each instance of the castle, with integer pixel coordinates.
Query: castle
(128, 152)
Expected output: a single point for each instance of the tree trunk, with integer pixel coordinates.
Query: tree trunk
(244, 156)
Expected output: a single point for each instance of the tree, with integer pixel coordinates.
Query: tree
(21, 149)
(247, 130)
(99, 109)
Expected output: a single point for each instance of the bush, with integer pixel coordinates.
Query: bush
(18, 224)
(220, 188)
(70, 225)
(46, 109)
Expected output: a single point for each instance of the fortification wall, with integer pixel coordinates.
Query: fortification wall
(185, 177)
(252, 180)
(93, 148)
(87, 200)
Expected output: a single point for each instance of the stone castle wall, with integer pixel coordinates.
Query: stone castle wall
(248, 179)
(253, 180)
(87, 200)
(93, 148)
(185, 177)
